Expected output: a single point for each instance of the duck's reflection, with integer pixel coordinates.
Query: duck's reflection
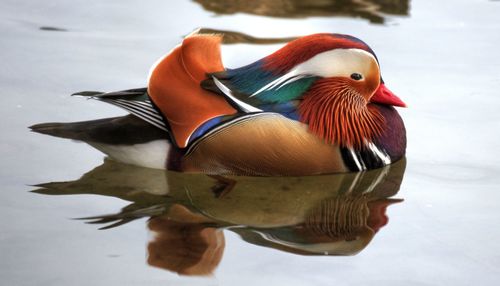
(372, 10)
(184, 243)
(342, 226)
(316, 215)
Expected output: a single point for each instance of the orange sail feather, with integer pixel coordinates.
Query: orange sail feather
(174, 86)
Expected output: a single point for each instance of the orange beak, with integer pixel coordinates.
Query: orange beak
(384, 96)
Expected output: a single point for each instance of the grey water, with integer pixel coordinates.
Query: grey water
(430, 220)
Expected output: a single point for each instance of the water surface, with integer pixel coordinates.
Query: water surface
(439, 57)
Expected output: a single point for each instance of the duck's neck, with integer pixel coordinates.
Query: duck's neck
(337, 114)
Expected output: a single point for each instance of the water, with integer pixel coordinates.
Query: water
(439, 57)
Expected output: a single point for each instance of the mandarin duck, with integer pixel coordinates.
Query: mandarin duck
(317, 105)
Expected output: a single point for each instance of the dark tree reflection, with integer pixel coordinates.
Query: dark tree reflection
(372, 10)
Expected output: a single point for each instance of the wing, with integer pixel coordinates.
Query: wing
(136, 101)
(263, 89)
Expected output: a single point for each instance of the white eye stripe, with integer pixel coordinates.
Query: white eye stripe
(338, 62)
(333, 63)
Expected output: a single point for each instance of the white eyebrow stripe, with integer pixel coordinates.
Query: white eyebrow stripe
(338, 62)
(332, 63)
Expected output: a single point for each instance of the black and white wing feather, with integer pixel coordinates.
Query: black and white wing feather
(136, 101)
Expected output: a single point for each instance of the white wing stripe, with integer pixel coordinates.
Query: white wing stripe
(149, 112)
(152, 118)
(244, 106)
(137, 104)
(134, 111)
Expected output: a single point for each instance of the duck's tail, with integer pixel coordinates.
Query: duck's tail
(125, 130)
(126, 139)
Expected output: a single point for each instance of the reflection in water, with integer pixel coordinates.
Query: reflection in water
(52, 29)
(231, 37)
(316, 215)
(186, 246)
(372, 10)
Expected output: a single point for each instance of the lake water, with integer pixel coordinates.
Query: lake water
(439, 57)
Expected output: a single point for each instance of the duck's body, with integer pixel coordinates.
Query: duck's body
(287, 114)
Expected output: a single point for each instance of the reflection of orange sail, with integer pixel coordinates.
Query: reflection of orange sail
(185, 247)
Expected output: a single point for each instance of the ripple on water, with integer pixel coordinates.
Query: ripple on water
(456, 173)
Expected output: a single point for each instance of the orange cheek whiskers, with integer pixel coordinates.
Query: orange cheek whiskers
(339, 115)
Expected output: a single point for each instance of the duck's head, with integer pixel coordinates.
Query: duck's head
(338, 105)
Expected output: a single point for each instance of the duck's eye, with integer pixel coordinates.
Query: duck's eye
(356, 76)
